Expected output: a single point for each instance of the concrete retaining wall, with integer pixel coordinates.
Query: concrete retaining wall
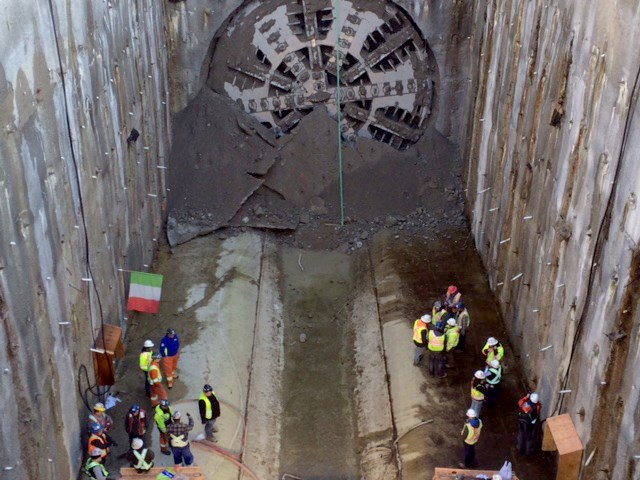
(552, 194)
(77, 203)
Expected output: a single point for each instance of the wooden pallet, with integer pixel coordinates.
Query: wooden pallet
(127, 473)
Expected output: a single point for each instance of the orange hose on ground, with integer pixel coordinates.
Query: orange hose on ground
(226, 455)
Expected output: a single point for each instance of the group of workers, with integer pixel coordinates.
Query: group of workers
(443, 332)
(174, 434)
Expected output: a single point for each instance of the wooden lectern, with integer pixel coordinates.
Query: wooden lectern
(560, 434)
(108, 347)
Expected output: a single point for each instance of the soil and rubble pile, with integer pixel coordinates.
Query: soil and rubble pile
(229, 171)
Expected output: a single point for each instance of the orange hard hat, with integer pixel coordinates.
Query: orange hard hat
(452, 289)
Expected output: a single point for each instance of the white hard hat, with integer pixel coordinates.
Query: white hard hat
(451, 321)
(471, 413)
(492, 341)
(497, 476)
(96, 452)
(495, 363)
(533, 397)
(479, 374)
(137, 443)
(177, 415)
(425, 318)
(148, 344)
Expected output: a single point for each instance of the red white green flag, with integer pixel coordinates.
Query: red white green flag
(144, 292)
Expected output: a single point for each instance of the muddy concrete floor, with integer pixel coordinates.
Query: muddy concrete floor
(310, 351)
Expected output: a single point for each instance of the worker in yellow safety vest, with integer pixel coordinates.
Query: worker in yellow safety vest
(493, 376)
(163, 414)
(478, 387)
(209, 407)
(94, 466)
(146, 357)
(452, 336)
(437, 313)
(493, 350)
(470, 435)
(420, 329)
(436, 346)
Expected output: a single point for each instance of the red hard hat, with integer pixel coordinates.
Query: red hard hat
(452, 289)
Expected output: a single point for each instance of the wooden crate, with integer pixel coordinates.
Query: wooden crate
(127, 473)
(560, 434)
(109, 346)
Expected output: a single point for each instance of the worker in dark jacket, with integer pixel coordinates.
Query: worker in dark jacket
(178, 433)
(135, 422)
(209, 411)
(529, 408)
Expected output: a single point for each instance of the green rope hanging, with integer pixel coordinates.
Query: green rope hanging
(338, 64)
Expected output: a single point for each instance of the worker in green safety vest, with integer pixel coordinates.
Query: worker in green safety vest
(209, 411)
(94, 467)
(163, 414)
(470, 435)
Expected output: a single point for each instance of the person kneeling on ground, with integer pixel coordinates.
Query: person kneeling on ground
(139, 457)
(179, 440)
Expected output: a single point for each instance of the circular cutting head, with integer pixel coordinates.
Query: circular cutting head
(280, 59)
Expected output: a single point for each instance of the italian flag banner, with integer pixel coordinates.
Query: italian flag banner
(144, 292)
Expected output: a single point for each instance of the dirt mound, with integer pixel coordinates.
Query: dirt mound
(227, 170)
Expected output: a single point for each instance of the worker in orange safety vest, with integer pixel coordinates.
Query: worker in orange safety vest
(452, 297)
(99, 439)
(158, 391)
(528, 423)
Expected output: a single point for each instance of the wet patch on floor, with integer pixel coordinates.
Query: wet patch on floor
(318, 438)
(411, 276)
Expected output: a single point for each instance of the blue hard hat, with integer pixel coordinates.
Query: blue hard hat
(440, 326)
(96, 427)
(460, 305)
(135, 408)
(207, 388)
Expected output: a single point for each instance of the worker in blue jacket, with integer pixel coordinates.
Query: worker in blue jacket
(170, 351)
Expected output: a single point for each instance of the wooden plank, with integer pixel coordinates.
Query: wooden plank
(104, 368)
(564, 434)
(127, 473)
(112, 340)
(449, 473)
(548, 445)
(569, 466)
